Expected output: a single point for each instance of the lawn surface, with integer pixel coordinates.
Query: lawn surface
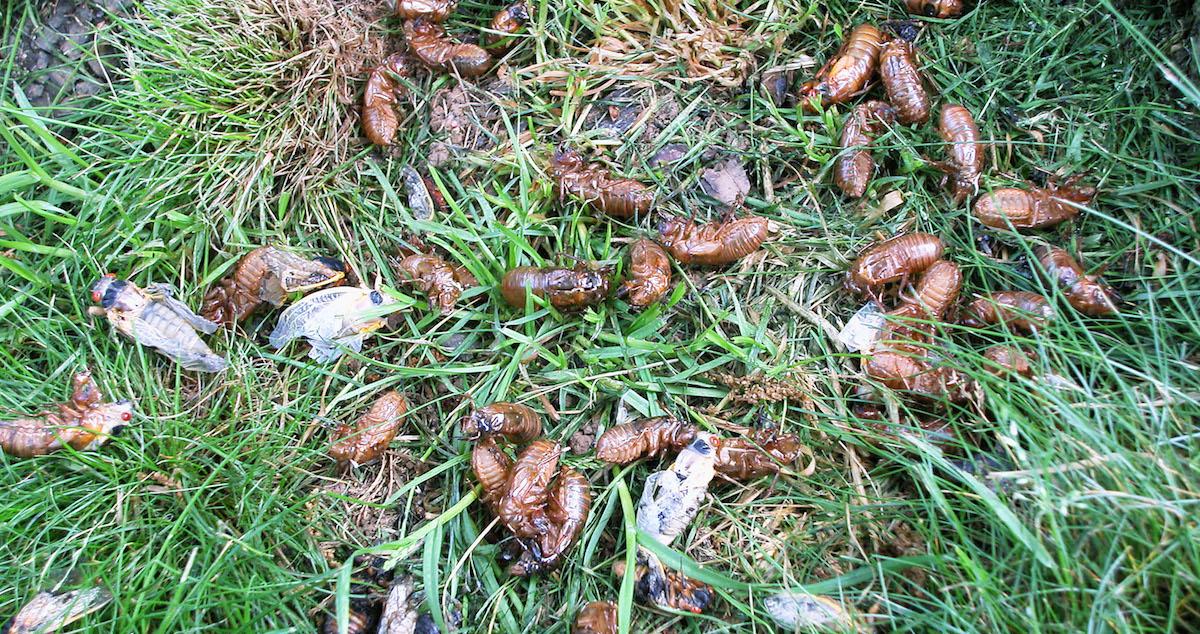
(232, 124)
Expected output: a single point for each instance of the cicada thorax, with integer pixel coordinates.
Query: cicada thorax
(903, 83)
(432, 10)
(854, 168)
(966, 152)
(715, 243)
(763, 453)
(893, 260)
(1022, 310)
(1010, 360)
(647, 437)
(513, 421)
(597, 617)
(523, 506)
(493, 468)
(430, 44)
(505, 23)
(846, 74)
(649, 274)
(935, 8)
(379, 117)
(368, 437)
(1086, 293)
(565, 289)
(567, 509)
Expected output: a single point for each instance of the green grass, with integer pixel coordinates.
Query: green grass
(233, 125)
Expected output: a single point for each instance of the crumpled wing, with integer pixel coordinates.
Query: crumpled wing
(399, 617)
(50, 612)
(308, 317)
(165, 294)
(649, 514)
(326, 350)
(163, 329)
(270, 290)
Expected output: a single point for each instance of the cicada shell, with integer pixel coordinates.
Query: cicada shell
(1010, 360)
(908, 368)
(84, 422)
(597, 617)
(671, 498)
(331, 319)
(892, 260)
(506, 23)
(370, 435)
(567, 511)
(939, 287)
(903, 82)
(1022, 310)
(596, 186)
(432, 10)
(1034, 208)
(715, 243)
(566, 289)
(966, 152)
(1088, 294)
(800, 611)
(764, 453)
(846, 74)
(523, 506)
(936, 8)
(266, 274)
(434, 276)
(649, 274)
(493, 468)
(430, 44)
(379, 118)
(855, 166)
(155, 319)
(668, 589)
(513, 421)
(648, 437)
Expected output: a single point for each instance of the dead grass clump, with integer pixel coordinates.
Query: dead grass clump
(758, 388)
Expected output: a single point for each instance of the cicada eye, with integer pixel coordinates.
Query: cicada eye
(376, 297)
(95, 296)
(126, 416)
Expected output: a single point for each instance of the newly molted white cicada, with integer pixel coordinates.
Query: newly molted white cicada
(332, 320)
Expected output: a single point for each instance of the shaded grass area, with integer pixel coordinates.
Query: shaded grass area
(235, 126)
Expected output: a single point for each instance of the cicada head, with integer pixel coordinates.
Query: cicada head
(108, 419)
(565, 159)
(105, 290)
(671, 229)
(814, 91)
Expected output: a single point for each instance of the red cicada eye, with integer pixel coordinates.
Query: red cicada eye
(126, 416)
(95, 296)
